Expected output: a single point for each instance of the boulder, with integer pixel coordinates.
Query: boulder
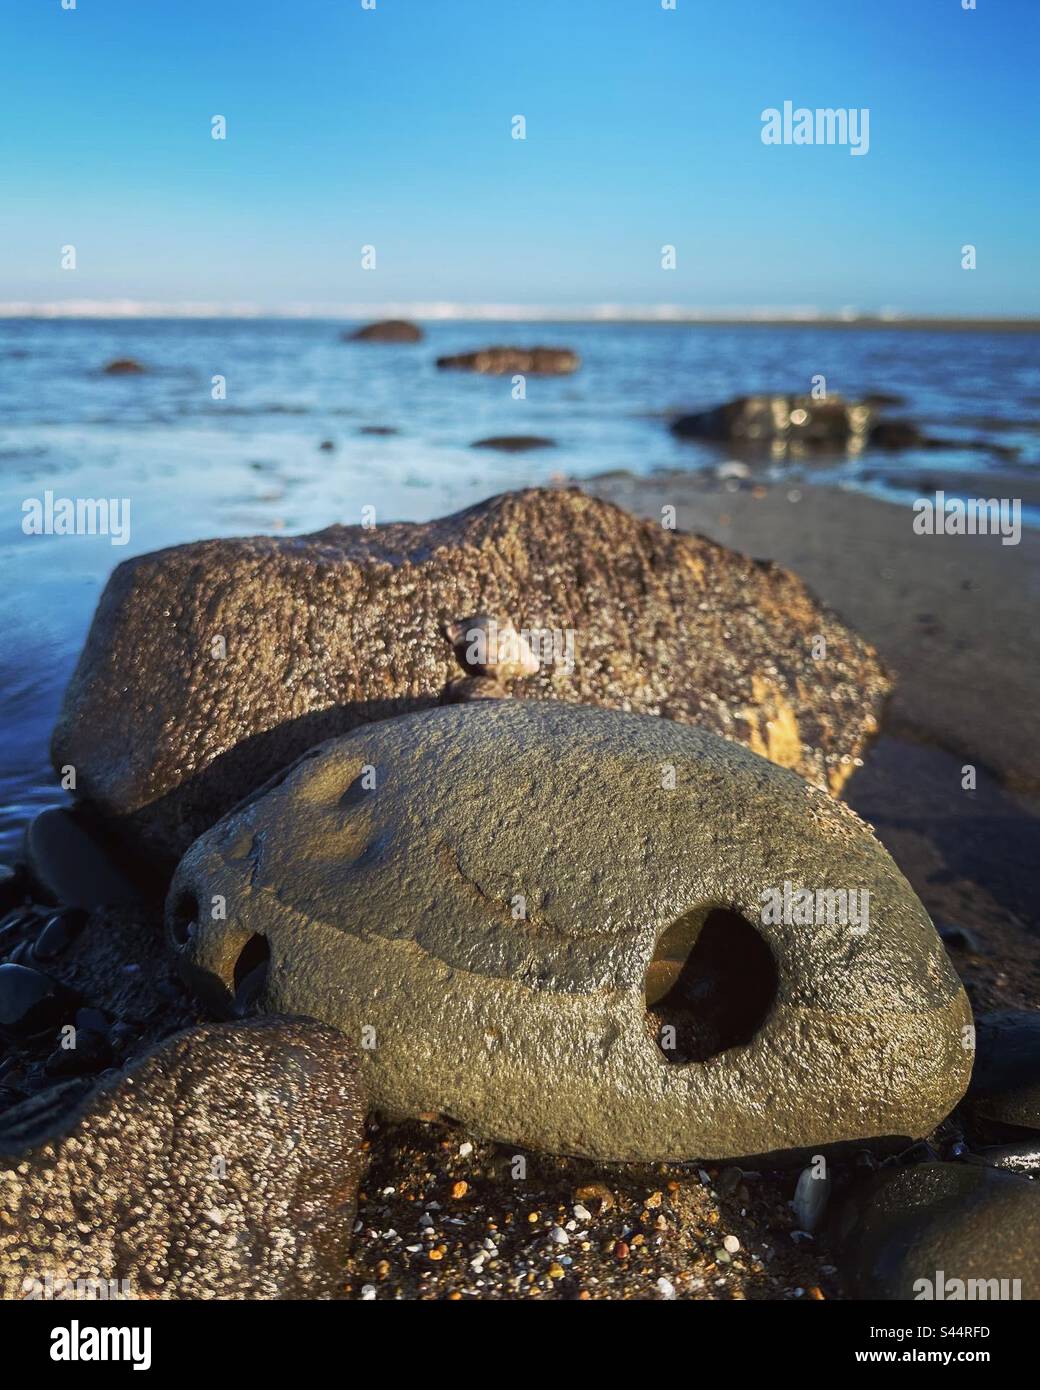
(944, 1232)
(386, 331)
(69, 862)
(222, 1165)
(555, 924)
(502, 361)
(210, 666)
(1005, 1086)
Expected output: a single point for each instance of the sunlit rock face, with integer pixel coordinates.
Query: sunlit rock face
(210, 666)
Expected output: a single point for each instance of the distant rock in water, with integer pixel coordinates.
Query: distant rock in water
(641, 851)
(802, 426)
(514, 443)
(123, 366)
(899, 434)
(167, 732)
(498, 361)
(800, 423)
(386, 331)
(222, 1165)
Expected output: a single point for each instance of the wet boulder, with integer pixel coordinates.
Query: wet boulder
(942, 1232)
(504, 361)
(1005, 1086)
(222, 1165)
(210, 666)
(569, 929)
(124, 366)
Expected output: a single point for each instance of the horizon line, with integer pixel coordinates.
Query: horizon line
(447, 312)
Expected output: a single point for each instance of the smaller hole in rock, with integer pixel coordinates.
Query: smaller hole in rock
(709, 987)
(251, 972)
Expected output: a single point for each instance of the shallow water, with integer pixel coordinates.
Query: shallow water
(194, 467)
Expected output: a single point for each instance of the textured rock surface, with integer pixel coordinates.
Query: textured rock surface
(385, 873)
(958, 1221)
(386, 331)
(325, 632)
(223, 1165)
(498, 361)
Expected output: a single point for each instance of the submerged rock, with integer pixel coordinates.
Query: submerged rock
(498, 361)
(386, 331)
(548, 922)
(123, 366)
(210, 666)
(942, 1231)
(514, 443)
(222, 1165)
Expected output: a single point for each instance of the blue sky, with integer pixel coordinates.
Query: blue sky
(391, 127)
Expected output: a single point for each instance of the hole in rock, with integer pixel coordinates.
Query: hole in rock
(710, 989)
(183, 918)
(251, 972)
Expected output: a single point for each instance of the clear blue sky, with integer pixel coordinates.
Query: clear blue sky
(392, 127)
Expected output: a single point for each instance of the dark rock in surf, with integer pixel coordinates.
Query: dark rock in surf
(514, 443)
(124, 366)
(386, 331)
(500, 361)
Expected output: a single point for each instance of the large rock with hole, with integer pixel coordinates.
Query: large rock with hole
(550, 923)
(209, 666)
(222, 1165)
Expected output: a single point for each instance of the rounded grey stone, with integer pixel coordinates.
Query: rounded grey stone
(508, 904)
